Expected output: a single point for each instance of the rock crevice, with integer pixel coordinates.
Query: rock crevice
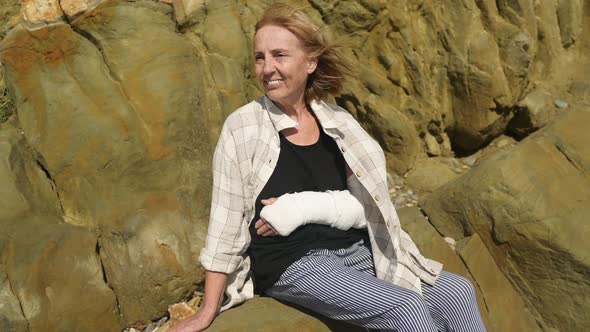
(105, 278)
(20, 303)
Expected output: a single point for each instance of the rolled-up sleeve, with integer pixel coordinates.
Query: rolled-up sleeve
(227, 235)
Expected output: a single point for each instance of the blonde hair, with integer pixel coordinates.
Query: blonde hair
(332, 67)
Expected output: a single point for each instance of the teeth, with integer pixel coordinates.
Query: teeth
(275, 81)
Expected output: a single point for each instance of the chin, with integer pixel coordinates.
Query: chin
(275, 95)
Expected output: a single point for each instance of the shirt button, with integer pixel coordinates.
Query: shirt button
(377, 198)
(359, 174)
(270, 161)
(343, 149)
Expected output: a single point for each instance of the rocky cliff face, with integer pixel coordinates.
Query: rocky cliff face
(106, 161)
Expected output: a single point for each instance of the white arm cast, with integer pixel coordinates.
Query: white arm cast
(338, 209)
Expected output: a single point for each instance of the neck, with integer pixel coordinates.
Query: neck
(296, 110)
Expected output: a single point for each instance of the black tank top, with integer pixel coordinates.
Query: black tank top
(316, 167)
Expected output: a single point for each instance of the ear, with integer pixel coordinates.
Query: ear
(312, 64)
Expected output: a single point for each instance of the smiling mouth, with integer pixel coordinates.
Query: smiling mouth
(275, 82)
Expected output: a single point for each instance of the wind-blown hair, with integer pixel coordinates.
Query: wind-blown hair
(332, 67)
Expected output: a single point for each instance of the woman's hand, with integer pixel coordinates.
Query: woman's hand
(195, 323)
(262, 227)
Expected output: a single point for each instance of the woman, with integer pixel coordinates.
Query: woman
(290, 141)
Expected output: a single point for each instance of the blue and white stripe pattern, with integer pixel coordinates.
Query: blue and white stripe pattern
(341, 284)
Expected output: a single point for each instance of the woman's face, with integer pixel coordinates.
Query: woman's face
(282, 66)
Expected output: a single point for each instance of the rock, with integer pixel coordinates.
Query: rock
(534, 111)
(433, 246)
(186, 11)
(569, 15)
(41, 11)
(128, 151)
(470, 161)
(532, 200)
(180, 311)
(560, 103)
(504, 141)
(8, 10)
(47, 268)
(39, 259)
(507, 311)
(395, 133)
(72, 8)
(261, 313)
(429, 174)
(581, 90)
(150, 327)
(451, 242)
(432, 146)
(11, 314)
(126, 156)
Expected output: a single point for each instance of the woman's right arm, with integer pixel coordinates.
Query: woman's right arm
(214, 287)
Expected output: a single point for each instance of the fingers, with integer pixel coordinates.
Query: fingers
(268, 201)
(264, 229)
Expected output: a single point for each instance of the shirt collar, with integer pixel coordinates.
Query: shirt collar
(325, 114)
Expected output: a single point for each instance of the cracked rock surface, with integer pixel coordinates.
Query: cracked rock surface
(528, 202)
(106, 175)
(120, 151)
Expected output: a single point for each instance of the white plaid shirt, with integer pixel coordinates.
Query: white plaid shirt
(245, 157)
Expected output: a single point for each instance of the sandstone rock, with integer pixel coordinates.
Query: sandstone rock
(507, 311)
(261, 313)
(433, 246)
(569, 15)
(432, 146)
(394, 132)
(128, 150)
(534, 111)
(46, 267)
(532, 201)
(55, 272)
(25, 189)
(8, 10)
(180, 311)
(429, 174)
(11, 315)
(41, 11)
(186, 10)
(71, 8)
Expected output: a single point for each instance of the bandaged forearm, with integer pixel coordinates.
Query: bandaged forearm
(338, 209)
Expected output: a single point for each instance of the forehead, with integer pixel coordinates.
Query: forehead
(271, 37)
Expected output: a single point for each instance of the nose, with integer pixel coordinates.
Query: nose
(269, 66)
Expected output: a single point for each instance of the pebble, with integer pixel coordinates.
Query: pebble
(502, 143)
(560, 103)
(451, 242)
(470, 161)
(397, 180)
